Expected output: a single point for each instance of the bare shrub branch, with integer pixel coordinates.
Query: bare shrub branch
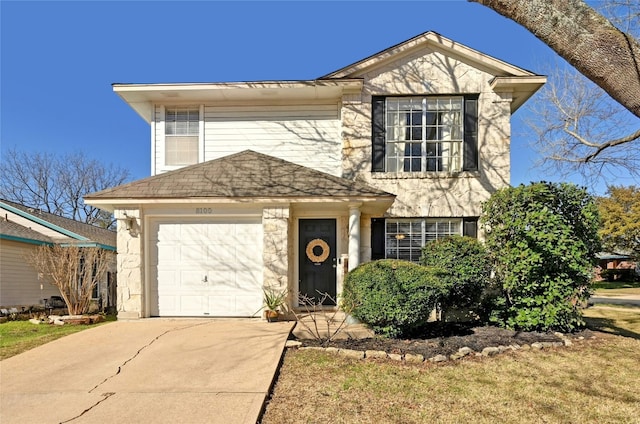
(322, 324)
(74, 270)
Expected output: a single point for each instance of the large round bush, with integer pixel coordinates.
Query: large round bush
(394, 297)
(465, 267)
(543, 238)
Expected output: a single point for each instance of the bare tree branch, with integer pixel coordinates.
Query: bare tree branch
(57, 184)
(581, 129)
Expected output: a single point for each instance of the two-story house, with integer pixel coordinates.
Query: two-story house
(293, 183)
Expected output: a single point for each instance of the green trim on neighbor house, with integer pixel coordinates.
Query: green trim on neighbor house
(90, 244)
(25, 240)
(43, 222)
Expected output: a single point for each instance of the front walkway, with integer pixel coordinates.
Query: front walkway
(151, 370)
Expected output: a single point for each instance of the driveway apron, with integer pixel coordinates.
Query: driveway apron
(152, 370)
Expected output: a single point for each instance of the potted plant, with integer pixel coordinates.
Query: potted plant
(274, 300)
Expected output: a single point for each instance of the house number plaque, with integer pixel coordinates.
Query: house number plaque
(204, 211)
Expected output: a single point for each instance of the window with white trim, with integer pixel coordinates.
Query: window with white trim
(182, 129)
(404, 238)
(424, 134)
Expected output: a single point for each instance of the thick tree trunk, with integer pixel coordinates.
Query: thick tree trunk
(586, 39)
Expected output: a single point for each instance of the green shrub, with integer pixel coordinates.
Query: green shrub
(394, 297)
(465, 267)
(543, 239)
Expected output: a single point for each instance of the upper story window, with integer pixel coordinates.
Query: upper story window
(425, 134)
(182, 127)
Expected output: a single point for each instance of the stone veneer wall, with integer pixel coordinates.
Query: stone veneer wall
(426, 72)
(130, 265)
(275, 254)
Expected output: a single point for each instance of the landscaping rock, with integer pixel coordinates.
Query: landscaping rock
(349, 353)
(413, 358)
(97, 318)
(292, 344)
(332, 350)
(567, 342)
(490, 351)
(34, 321)
(537, 345)
(456, 356)
(439, 358)
(311, 348)
(77, 321)
(378, 354)
(58, 322)
(395, 357)
(465, 351)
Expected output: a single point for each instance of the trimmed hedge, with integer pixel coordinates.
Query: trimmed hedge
(394, 297)
(466, 269)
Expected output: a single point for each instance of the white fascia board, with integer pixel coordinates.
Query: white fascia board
(437, 42)
(141, 97)
(111, 204)
(521, 88)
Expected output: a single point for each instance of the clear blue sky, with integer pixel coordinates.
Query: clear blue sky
(59, 59)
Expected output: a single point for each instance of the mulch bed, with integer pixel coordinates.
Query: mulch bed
(446, 340)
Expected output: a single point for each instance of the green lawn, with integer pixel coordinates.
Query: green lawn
(19, 336)
(615, 288)
(592, 381)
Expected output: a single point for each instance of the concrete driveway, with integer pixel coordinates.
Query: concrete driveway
(151, 371)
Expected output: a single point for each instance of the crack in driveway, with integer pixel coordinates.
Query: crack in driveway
(106, 396)
(155, 339)
(138, 352)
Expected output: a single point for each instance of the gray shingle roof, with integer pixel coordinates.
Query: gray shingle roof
(246, 174)
(91, 232)
(14, 229)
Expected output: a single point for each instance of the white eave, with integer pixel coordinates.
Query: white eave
(375, 205)
(141, 97)
(436, 41)
(520, 87)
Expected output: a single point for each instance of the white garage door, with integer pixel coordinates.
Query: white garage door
(206, 268)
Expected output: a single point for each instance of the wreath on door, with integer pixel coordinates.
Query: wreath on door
(322, 256)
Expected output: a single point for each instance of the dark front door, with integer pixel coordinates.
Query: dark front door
(317, 263)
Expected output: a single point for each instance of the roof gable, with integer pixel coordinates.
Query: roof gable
(434, 41)
(67, 228)
(247, 174)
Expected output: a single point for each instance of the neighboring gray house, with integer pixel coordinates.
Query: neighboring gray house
(293, 183)
(22, 229)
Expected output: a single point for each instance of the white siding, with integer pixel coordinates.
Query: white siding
(308, 135)
(19, 283)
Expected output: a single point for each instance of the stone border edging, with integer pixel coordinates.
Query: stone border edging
(417, 358)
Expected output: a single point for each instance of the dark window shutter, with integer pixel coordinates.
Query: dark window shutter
(470, 161)
(470, 227)
(377, 238)
(377, 134)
